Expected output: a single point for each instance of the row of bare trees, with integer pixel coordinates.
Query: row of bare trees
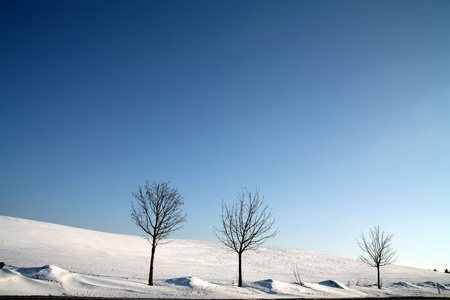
(245, 224)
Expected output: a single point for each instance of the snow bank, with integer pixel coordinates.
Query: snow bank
(405, 284)
(334, 284)
(12, 282)
(190, 281)
(276, 287)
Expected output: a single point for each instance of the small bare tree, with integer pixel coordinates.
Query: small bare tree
(296, 274)
(378, 249)
(158, 212)
(246, 224)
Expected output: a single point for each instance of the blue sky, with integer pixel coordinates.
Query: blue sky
(339, 111)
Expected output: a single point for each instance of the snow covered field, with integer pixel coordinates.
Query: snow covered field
(44, 259)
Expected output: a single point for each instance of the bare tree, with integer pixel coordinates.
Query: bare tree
(378, 249)
(296, 274)
(246, 224)
(158, 212)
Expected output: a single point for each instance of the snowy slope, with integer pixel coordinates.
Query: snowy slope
(46, 258)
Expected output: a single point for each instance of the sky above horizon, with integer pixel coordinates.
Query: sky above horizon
(338, 111)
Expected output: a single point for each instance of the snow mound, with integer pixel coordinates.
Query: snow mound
(53, 280)
(427, 284)
(47, 272)
(190, 281)
(432, 284)
(26, 282)
(271, 286)
(405, 284)
(334, 284)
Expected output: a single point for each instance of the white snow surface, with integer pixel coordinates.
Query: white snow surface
(50, 259)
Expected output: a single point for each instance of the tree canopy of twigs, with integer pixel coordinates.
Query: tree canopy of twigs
(157, 210)
(378, 249)
(245, 224)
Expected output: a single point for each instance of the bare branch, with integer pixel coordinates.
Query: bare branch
(158, 213)
(245, 224)
(296, 274)
(378, 249)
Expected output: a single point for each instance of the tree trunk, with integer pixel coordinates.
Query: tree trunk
(379, 278)
(240, 269)
(152, 259)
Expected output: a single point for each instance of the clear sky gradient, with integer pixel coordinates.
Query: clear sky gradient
(339, 111)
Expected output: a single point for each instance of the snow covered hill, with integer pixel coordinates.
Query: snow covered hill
(44, 258)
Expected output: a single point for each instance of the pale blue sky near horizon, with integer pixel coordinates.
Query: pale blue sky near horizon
(338, 111)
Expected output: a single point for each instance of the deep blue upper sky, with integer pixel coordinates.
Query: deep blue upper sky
(339, 111)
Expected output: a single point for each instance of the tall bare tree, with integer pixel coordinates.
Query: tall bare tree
(158, 212)
(378, 249)
(246, 224)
